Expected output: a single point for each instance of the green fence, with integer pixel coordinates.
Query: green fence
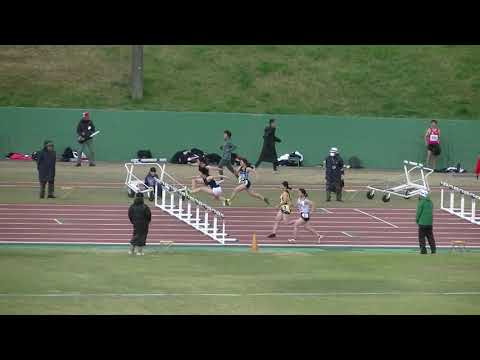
(381, 143)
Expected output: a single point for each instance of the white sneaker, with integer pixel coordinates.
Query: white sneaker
(320, 238)
(140, 253)
(130, 252)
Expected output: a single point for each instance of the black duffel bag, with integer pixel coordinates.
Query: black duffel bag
(144, 154)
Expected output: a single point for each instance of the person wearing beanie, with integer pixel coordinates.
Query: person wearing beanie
(334, 174)
(46, 162)
(140, 217)
(424, 220)
(85, 129)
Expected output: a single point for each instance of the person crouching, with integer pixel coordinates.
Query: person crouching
(151, 182)
(140, 217)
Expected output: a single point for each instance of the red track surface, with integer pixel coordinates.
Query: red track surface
(341, 226)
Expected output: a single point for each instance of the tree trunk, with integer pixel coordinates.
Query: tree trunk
(137, 72)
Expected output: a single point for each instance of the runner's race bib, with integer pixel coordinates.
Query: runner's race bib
(434, 138)
(305, 216)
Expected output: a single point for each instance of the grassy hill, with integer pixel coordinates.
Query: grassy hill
(413, 81)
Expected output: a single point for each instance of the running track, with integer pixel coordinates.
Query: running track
(342, 227)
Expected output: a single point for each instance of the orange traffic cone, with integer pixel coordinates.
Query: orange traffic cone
(254, 246)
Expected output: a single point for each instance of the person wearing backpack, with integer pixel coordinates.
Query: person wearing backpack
(46, 161)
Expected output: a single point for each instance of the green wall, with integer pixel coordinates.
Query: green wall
(381, 143)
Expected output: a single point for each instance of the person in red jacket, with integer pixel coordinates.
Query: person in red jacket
(432, 141)
(477, 167)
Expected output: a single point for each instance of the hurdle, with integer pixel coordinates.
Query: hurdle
(463, 211)
(411, 184)
(190, 210)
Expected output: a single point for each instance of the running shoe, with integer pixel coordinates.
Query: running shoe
(272, 235)
(320, 237)
(291, 240)
(226, 202)
(266, 201)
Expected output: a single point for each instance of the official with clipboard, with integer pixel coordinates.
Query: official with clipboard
(86, 131)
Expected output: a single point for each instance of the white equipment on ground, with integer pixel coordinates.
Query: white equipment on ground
(190, 210)
(180, 204)
(406, 186)
(136, 185)
(461, 211)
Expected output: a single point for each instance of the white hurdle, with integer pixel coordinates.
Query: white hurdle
(462, 212)
(214, 228)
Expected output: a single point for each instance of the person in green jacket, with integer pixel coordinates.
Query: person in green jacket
(425, 223)
(227, 148)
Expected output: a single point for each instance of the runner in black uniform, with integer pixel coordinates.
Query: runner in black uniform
(202, 164)
(243, 173)
(210, 185)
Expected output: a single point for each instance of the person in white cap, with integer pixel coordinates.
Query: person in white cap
(334, 174)
(424, 220)
(85, 129)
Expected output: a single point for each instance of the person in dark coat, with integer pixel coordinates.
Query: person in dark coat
(46, 161)
(151, 182)
(269, 153)
(85, 129)
(140, 217)
(334, 174)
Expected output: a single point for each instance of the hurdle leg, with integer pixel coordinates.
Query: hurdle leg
(462, 206)
(452, 200)
(473, 218)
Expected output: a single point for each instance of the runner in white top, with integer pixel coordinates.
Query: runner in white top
(304, 206)
(243, 174)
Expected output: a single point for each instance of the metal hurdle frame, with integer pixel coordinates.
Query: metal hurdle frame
(132, 182)
(214, 228)
(410, 188)
(461, 212)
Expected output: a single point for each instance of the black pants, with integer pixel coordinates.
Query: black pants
(50, 188)
(275, 164)
(426, 231)
(140, 233)
(335, 187)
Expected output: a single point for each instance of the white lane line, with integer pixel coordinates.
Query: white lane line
(273, 294)
(386, 222)
(58, 222)
(344, 232)
(327, 211)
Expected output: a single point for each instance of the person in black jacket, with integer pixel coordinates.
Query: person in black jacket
(140, 217)
(46, 161)
(269, 153)
(150, 181)
(85, 129)
(334, 174)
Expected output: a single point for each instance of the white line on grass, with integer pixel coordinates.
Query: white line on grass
(386, 222)
(273, 294)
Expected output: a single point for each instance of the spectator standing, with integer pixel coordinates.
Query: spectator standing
(432, 141)
(424, 220)
(334, 174)
(85, 129)
(46, 162)
(140, 217)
